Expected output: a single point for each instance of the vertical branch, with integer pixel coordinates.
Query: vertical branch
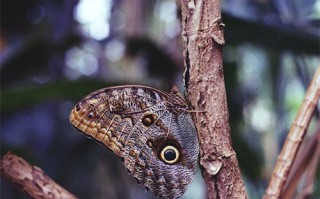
(203, 41)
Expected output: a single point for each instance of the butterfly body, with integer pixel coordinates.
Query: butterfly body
(152, 131)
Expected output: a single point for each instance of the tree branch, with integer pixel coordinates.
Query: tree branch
(294, 138)
(203, 41)
(30, 179)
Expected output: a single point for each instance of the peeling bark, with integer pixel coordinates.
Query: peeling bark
(204, 80)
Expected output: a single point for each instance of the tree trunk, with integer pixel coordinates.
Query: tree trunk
(204, 80)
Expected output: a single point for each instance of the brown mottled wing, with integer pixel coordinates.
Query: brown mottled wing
(119, 117)
(105, 114)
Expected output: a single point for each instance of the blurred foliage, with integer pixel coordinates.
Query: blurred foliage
(25, 96)
(53, 53)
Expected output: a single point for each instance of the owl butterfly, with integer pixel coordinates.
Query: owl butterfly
(152, 131)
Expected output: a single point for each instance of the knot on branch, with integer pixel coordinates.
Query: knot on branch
(211, 164)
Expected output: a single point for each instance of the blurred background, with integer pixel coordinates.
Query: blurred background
(53, 53)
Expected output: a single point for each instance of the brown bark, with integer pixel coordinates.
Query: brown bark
(30, 179)
(203, 41)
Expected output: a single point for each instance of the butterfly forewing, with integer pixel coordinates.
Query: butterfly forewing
(149, 129)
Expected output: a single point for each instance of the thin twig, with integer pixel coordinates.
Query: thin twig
(294, 139)
(311, 171)
(308, 153)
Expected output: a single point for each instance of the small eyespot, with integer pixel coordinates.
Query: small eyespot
(150, 143)
(91, 115)
(78, 107)
(148, 119)
(170, 154)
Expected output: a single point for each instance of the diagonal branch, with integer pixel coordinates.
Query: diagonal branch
(294, 139)
(30, 179)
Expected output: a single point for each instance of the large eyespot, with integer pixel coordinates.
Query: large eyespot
(148, 119)
(170, 154)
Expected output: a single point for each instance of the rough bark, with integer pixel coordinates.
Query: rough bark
(31, 179)
(203, 42)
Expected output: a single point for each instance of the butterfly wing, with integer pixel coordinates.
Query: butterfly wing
(158, 144)
(102, 114)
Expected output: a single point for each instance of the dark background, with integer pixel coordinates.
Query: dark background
(54, 52)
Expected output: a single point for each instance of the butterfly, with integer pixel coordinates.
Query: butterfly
(151, 130)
